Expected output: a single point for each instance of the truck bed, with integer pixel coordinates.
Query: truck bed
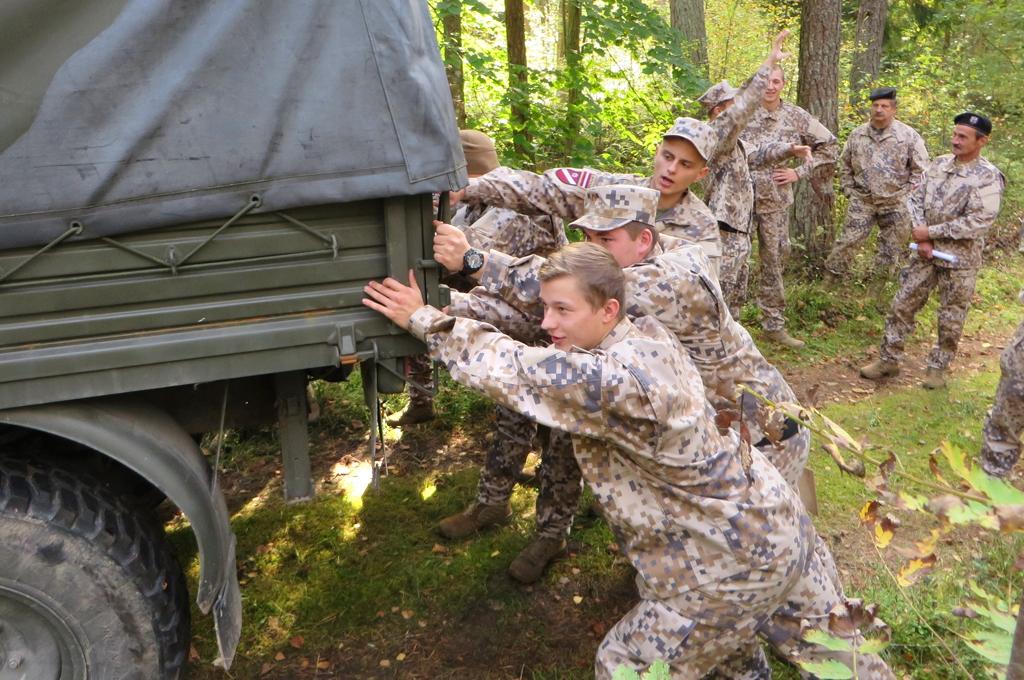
(200, 302)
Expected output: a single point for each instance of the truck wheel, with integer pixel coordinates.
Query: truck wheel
(88, 588)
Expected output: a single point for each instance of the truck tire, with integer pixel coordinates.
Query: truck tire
(88, 587)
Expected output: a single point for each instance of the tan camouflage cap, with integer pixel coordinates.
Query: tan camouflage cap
(693, 130)
(718, 93)
(611, 207)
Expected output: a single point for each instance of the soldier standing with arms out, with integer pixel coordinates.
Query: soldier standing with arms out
(721, 545)
(880, 164)
(951, 210)
(730, 192)
(1004, 425)
(779, 121)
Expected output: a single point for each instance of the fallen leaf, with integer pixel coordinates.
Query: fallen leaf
(439, 549)
(297, 641)
(265, 668)
(400, 656)
(193, 653)
(884, 530)
(577, 599)
(385, 663)
(495, 553)
(323, 665)
(408, 614)
(914, 570)
(279, 656)
(869, 513)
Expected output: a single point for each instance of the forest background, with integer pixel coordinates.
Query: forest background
(568, 82)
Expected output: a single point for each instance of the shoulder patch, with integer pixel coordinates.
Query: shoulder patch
(573, 177)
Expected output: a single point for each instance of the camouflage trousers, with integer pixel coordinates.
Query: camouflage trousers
(790, 459)
(917, 279)
(734, 269)
(419, 369)
(790, 456)
(1004, 424)
(893, 236)
(773, 249)
(558, 475)
(713, 633)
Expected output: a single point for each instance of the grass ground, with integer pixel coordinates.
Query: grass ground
(357, 584)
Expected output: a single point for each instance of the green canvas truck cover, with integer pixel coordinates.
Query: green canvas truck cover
(130, 115)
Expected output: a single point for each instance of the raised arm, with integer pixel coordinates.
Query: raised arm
(729, 124)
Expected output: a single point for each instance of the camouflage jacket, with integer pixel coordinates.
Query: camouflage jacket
(688, 507)
(562, 192)
(788, 124)
(490, 228)
(729, 190)
(672, 285)
(881, 166)
(958, 202)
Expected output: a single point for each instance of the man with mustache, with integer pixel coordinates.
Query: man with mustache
(882, 161)
(951, 211)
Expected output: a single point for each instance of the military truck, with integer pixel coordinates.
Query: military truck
(192, 195)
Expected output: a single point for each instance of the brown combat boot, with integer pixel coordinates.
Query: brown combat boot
(880, 368)
(474, 518)
(531, 562)
(783, 338)
(412, 415)
(934, 379)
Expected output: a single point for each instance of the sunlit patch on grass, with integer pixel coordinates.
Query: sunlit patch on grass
(428, 489)
(353, 479)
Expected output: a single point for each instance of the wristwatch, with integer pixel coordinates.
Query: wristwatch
(472, 262)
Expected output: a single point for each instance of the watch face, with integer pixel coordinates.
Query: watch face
(473, 260)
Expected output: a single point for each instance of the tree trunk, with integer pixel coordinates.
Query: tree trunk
(687, 17)
(818, 93)
(1015, 671)
(451, 23)
(569, 50)
(867, 54)
(518, 80)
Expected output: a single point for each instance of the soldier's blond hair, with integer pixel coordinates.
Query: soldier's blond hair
(598, 274)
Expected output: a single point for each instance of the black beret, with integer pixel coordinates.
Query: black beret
(974, 120)
(882, 93)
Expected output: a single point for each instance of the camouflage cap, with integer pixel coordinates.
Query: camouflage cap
(611, 207)
(718, 93)
(693, 130)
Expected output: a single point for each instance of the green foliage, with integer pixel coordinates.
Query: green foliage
(659, 670)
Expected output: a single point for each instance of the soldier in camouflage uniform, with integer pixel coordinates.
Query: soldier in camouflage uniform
(680, 160)
(882, 160)
(1004, 424)
(492, 227)
(951, 210)
(780, 121)
(667, 279)
(729, 190)
(486, 227)
(721, 544)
